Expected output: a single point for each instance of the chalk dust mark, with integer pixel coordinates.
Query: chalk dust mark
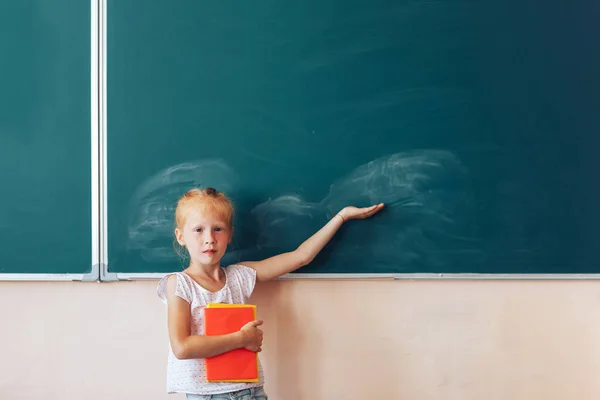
(152, 207)
(424, 191)
(425, 196)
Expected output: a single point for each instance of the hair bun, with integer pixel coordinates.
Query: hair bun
(211, 191)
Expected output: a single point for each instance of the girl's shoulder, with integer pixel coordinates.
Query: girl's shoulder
(182, 289)
(240, 270)
(241, 281)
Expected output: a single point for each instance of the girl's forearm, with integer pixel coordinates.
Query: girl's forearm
(196, 346)
(314, 244)
(282, 264)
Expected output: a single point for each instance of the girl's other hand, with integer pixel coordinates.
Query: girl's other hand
(351, 212)
(252, 336)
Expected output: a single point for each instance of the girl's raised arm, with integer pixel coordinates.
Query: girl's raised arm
(281, 264)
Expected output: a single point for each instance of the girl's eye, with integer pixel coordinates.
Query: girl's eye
(198, 230)
(218, 229)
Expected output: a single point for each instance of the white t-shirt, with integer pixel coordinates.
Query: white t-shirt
(188, 376)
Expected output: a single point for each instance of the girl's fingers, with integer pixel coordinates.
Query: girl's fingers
(373, 209)
(365, 212)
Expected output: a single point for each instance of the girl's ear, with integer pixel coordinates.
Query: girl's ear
(179, 236)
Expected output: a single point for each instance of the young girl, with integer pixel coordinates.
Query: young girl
(204, 229)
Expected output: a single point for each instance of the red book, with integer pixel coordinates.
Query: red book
(239, 365)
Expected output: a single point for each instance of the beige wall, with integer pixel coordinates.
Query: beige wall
(450, 340)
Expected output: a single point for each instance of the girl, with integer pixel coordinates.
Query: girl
(204, 228)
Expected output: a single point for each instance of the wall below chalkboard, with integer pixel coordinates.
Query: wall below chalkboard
(398, 340)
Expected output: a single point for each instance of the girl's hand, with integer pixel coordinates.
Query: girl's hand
(252, 336)
(351, 212)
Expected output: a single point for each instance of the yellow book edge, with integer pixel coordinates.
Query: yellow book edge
(226, 305)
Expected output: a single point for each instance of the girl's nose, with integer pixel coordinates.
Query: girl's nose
(209, 239)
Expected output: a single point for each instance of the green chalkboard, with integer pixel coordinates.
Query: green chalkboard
(45, 154)
(475, 121)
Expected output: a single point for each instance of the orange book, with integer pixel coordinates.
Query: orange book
(239, 365)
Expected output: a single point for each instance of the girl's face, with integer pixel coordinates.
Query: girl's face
(205, 235)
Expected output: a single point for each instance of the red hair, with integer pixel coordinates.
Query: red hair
(210, 199)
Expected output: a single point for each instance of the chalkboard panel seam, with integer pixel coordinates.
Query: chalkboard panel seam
(98, 128)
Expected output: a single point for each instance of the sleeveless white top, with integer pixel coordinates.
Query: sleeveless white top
(188, 376)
